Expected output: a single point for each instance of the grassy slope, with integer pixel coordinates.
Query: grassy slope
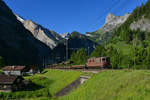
(52, 81)
(114, 85)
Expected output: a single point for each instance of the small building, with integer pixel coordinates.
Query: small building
(99, 62)
(34, 70)
(14, 70)
(10, 83)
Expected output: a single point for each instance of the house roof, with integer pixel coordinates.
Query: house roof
(13, 68)
(6, 79)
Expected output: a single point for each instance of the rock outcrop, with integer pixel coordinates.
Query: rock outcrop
(142, 24)
(113, 21)
(106, 32)
(48, 37)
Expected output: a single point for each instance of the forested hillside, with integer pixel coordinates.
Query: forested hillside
(125, 33)
(129, 48)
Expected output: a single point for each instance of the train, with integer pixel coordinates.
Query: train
(99, 62)
(92, 63)
(95, 63)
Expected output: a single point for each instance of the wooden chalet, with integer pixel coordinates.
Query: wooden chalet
(10, 83)
(14, 70)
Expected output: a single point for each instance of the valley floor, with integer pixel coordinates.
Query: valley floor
(105, 85)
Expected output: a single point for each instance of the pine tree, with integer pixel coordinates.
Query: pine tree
(98, 52)
(79, 57)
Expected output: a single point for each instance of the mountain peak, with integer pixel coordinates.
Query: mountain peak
(48, 37)
(113, 21)
(65, 35)
(109, 17)
(21, 19)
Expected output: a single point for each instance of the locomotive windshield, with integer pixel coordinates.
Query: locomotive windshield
(103, 59)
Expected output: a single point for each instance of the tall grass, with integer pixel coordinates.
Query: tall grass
(114, 85)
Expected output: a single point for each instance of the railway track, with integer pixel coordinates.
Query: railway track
(78, 69)
(92, 70)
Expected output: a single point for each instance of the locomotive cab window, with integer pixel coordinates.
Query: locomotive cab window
(97, 60)
(103, 59)
(93, 60)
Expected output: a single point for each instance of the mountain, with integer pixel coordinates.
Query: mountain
(57, 42)
(17, 45)
(113, 22)
(20, 18)
(65, 35)
(78, 40)
(129, 46)
(74, 42)
(137, 25)
(106, 32)
(48, 37)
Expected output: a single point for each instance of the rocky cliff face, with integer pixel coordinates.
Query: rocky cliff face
(142, 24)
(113, 21)
(106, 32)
(48, 37)
(17, 45)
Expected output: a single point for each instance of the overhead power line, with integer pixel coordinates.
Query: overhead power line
(120, 7)
(99, 18)
(109, 9)
(117, 4)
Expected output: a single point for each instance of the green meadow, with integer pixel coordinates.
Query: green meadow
(106, 85)
(114, 85)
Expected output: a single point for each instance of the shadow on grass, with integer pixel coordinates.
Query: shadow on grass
(26, 75)
(43, 83)
(44, 72)
(32, 87)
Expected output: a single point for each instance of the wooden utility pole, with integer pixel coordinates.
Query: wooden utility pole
(88, 51)
(138, 14)
(134, 43)
(66, 49)
(43, 62)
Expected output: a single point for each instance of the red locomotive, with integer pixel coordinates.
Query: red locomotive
(92, 63)
(99, 62)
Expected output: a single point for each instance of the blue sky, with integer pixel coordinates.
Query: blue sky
(71, 15)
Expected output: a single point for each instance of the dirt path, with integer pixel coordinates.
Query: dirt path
(72, 86)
